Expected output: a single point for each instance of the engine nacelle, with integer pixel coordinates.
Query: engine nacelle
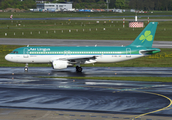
(90, 61)
(59, 64)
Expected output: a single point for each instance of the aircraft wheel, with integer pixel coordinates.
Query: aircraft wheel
(26, 69)
(78, 69)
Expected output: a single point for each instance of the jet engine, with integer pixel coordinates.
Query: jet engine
(59, 64)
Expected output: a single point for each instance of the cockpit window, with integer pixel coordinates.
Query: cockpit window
(15, 52)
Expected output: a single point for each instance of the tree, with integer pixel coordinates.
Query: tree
(58, 1)
(77, 6)
(17, 4)
(112, 4)
(5, 4)
(120, 4)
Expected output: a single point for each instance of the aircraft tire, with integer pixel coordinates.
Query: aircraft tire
(78, 69)
(26, 69)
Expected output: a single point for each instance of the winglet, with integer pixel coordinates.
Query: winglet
(146, 37)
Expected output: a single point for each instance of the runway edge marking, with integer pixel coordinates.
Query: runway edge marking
(158, 109)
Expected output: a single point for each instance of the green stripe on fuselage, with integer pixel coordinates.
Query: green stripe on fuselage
(79, 50)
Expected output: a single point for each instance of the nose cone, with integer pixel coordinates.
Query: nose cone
(7, 57)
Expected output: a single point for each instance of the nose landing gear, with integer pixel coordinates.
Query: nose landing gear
(26, 67)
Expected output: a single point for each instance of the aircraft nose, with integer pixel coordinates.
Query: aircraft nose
(7, 57)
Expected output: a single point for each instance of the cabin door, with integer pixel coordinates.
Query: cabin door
(67, 53)
(128, 52)
(25, 53)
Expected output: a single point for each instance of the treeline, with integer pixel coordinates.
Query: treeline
(25, 4)
(151, 4)
(96, 4)
(125, 4)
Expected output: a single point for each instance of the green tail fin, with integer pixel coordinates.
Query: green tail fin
(146, 37)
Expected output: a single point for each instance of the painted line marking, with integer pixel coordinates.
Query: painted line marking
(136, 89)
(155, 110)
(169, 109)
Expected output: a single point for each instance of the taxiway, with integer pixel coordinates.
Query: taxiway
(83, 99)
(70, 42)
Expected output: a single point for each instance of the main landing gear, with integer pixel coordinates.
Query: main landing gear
(26, 67)
(78, 69)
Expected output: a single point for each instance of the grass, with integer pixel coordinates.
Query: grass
(146, 79)
(162, 59)
(53, 29)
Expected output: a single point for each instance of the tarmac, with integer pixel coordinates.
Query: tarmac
(25, 114)
(26, 96)
(70, 42)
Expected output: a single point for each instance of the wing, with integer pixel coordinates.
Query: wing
(82, 60)
(78, 57)
(73, 60)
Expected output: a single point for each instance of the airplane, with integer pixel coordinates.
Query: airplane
(62, 57)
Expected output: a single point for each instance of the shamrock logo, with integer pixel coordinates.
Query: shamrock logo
(147, 36)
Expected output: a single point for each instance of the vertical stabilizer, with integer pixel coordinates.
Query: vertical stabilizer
(146, 37)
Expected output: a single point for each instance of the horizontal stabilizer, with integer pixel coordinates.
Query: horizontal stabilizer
(150, 51)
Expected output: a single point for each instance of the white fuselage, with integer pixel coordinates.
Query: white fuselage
(26, 58)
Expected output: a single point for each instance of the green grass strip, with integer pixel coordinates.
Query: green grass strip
(79, 29)
(146, 79)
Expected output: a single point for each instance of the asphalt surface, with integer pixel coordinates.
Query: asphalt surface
(80, 99)
(70, 42)
(115, 18)
(87, 18)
